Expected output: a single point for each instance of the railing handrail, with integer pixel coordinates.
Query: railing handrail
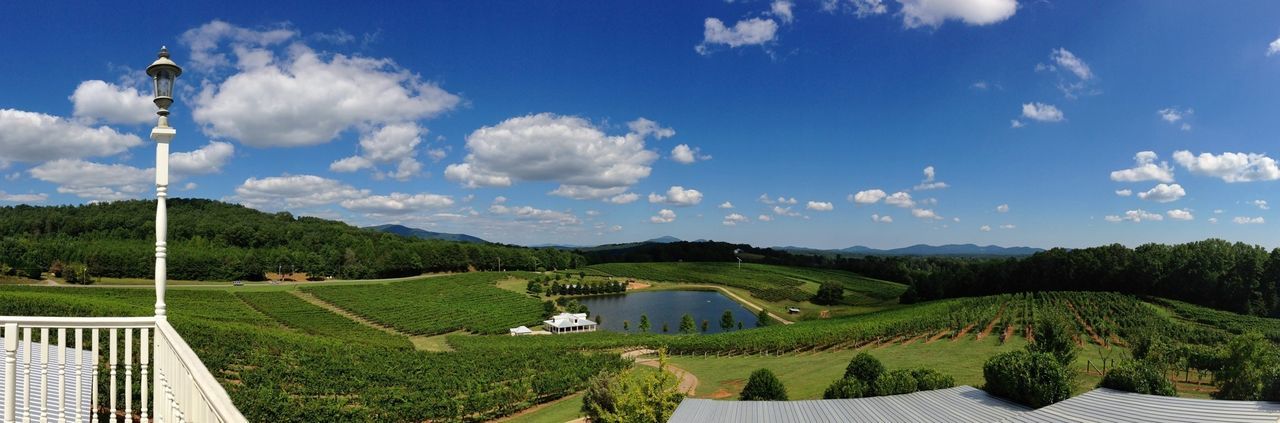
(79, 322)
(209, 387)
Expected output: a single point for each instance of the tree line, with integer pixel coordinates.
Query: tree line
(212, 240)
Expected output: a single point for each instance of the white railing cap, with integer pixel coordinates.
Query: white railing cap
(79, 322)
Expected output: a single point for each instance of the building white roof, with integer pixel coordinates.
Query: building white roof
(569, 320)
(968, 404)
(521, 329)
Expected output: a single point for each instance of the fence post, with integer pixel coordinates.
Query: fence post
(10, 370)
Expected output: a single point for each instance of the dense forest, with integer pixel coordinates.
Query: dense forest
(212, 240)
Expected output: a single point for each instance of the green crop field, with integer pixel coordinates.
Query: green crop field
(298, 314)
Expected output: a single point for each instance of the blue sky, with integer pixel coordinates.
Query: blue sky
(1042, 123)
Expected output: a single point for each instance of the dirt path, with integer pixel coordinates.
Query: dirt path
(417, 341)
(938, 336)
(688, 382)
(1092, 334)
(963, 332)
(991, 326)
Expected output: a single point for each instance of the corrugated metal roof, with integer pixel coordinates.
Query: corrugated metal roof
(1108, 405)
(968, 404)
(962, 403)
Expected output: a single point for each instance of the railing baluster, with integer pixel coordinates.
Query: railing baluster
(26, 376)
(10, 372)
(78, 414)
(145, 358)
(111, 412)
(93, 385)
(44, 374)
(128, 374)
(60, 406)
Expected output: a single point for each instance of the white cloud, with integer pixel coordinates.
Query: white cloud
(1124, 192)
(764, 218)
(397, 203)
(531, 214)
(1213, 220)
(1173, 115)
(985, 228)
(1241, 220)
(626, 198)
(782, 10)
(350, 164)
(1007, 226)
(663, 216)
(203, 161)
(392, 143)
(100, 100)
(1042, 112)
(1230, 167)
(925, 214)
(23, 198)
(748, 32)
(870, 196)
(1261, 204)
(95, 181)
(932, 13)
(860, 8)
(1067, 60)
(900, 199)
(979, 85)
(734, 219)
(1074, 75)
(881, 219)
(1003, 208)
(1163, 193)
(726, 205)
(820, 206)
(37, 137)
(1274, 47)
(684, 155)
(1016, 124)
(1136, 216)
(677, 195)
(1217, 211)
(290, 191)
(583, 192)
(1180, 214)
(929, 182)
(499, 200)
(645, 127)
(1145, 169)
(302, 97)
(190, 186)
(548, 147)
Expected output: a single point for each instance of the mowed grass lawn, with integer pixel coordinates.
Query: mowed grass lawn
(807, 375)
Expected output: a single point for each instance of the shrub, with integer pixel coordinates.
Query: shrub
(910, 296)
(1248, 360)
(830, 293)
(846, 388)
(763, 386)
(929, 379)
(1271, 386)
(895, 382)
(1034, 379)
(1138, 376)
(864, 367)
(1053, 336)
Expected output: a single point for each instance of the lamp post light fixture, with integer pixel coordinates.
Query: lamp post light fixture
(163, 72)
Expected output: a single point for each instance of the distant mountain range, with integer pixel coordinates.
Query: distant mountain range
(425, 234)
(950, 250)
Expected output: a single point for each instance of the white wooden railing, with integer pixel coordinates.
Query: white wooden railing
(50, 376)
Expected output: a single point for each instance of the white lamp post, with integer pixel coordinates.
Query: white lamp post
(163, 71)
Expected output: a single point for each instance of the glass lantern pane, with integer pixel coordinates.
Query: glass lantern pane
(164, 83)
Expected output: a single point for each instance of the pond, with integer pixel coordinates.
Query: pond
(666, 307)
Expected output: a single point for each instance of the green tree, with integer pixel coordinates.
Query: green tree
(687, 324)
(650, 397)
(762, 318)
(1248, 359)
(644, 323)
(1053, 336)
(864, 367)
(846, 388)
(830, 293)
(1033, 379)
(726, 320)
(896, 382)
(763, 385)
(1140, 377)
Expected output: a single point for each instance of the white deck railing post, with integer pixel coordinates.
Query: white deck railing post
(10, 372)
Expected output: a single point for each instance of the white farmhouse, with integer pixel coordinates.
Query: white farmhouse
(569, 323)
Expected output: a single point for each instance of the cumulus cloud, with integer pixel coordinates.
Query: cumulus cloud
(23, 198)
(1042, 112)
(1213, 220)
(677, 195)
(626, 198)
(747, 32)
(583, 192)
(900, 199)
(37, 137)
(205, 160)
(107, 102)
(301, 97)
(683, 154)
(1015, 124)
(1173, 116)
(645, 127)
(95, 181)
(392, 143)
(1274, 47)
(291, 191)
(663, 216)
(734, 219)
(1261, 204)
(726, 205)
(782, 10)
(764, 218)
(1008, 226)
(929, 181)
(350, 164)
(1124, 192)
(1242, 220)
(985, 228)
(870, 196)
(1136, 216)
(1068, 60)
(397, 203)
(1180, 214)
(820, 206)
(1144, 169)
(1230, 167)
(764, 198)
(1074, 75)
(547, 147)
(925, 214)
(1003, 208)
(881, 219)
(532, 214)
(932, 13)
(860, 8)
(1163, 193)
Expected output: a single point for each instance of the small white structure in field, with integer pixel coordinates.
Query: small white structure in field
(521, 331)
(570, 323)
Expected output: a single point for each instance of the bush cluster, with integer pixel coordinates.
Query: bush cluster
(1035, 379)
(866, 377)
(1138, 376)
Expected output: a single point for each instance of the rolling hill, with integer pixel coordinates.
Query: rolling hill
(425, 234)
